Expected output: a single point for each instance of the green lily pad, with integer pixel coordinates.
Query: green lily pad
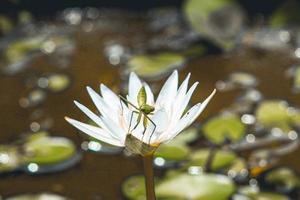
(150, 66)
(185, 137)
(238, 167)
(9, 158)
(20, 49)
(287, 14)
(221, 159)
(134, 188)
(276, 113)
(218, 20)
(6, 24)
(37, 197)
(172, 153)
(255, 194)
(196, 187)
(177, 149)
(284, 177)
(42, 149)
(223, 127)
(58, 82)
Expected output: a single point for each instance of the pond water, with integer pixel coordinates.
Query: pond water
(94, 49)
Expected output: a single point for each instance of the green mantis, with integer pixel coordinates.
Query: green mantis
(143, 110)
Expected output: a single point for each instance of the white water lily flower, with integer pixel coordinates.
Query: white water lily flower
(169, 113)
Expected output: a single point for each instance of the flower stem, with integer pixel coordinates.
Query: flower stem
(149, 178)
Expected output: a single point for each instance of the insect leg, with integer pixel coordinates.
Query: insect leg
(138, 119)
(153, 128)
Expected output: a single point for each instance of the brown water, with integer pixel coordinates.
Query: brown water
(99, 176)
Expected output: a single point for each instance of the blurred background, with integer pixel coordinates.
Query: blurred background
(245, 145)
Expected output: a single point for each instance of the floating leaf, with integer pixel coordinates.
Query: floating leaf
(223, 127)
(221, 159)
(9, 158)
(171, 152)
(134, 188)
(276, 113)
(42, 149)
(254, 193)
(44, 196)
(187, 136)
(286, 15)
(196, 187)
(151, 66)
(58, 82)
(218, 20)
(283, 177)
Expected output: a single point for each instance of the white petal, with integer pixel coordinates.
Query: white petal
(98, 120)
(134, 87)
(114, 128)
(168, 91)
(183, 123)
(89, 113)
(160, 124)
(181, 106)
(95, 132)
(105, 109)
(188, 118)
(110, 97)
(150, 97)
(204, 104)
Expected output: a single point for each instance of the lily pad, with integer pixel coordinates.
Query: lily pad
(284, 178)
(42, 149)
(9, 158)
(276, 113)
(221, 159)
(286, 15)
(255, 194)
(187, 136)
(100, 147)
(37, 197)
(172, 153)
(58, 82)
(218, 20)
(151, 66)
(196, 187)
(224, 127)
(175, 150)
(134, 188)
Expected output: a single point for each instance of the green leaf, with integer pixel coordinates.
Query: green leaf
(221, 159)
(9, 158)
(275, 113)
(134, 188)
(42, 149)
(284, 177)
(196, 187)
(149, 66)
(172, 153)
(223, 127)
(218, 20)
